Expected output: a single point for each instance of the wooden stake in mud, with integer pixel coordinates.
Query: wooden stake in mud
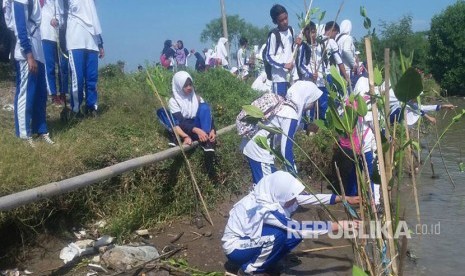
(379, 150)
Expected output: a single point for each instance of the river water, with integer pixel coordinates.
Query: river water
(440, 248)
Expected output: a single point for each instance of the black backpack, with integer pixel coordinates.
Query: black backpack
(275, 31)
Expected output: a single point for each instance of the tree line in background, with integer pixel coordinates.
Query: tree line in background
(439, 53)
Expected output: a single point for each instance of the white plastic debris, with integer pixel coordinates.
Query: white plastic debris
(142, 232)
(126, 257)
(104, 240)
(77, 249)
(97, 268)
(8, 107)
(81, 234)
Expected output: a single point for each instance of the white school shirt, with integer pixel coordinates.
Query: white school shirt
(35, 40)
(332, 50)
(47, 31)
(83, 27)
(282, 56)
(315, 63)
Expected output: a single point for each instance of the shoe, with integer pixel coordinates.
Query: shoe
(47, 139)
(76, 116)
(172, 140)
(91, 112)
(208, 146)
(30, 142)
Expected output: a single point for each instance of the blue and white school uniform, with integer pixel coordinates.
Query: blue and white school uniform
(51, 51)
(190, 110)
(257, 233)
(261, 162)
(278, 61)
(83, 40)
(31, 93)
(346, 46)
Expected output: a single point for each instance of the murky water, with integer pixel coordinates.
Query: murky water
(440, 250)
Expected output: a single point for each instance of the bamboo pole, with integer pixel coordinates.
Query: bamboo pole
(67, 185)
(382, 169)
(412, 169)
(387, 88)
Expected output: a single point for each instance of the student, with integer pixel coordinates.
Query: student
(53, 55)
(260, 230)
(310, 68)
(222, 53)
(299, 99)
(85, 45)
(331, 50)
(279, 55)
(167, 55)
(199, 61)
(345, 42)
(191, 112)
(242, 57)
(31, 93)
(181, 55)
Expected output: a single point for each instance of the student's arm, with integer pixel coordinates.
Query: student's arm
(334, 51)
(100, 46)
(23, 36)
(303, 68)
(289, 127)
(327, 199)
(270, 53)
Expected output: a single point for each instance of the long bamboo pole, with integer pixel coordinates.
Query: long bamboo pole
(382, 171)
(387, 88)
(67, 185)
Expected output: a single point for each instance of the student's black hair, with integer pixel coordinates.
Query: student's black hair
(167, 43)
(310, 26)
(243, 41)
(276, 11)
(180, 41)
(330, 25)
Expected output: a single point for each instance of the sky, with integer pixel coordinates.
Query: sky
(134, 31)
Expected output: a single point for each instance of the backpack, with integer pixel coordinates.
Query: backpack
(269, 104)
(267, 65)
(165, 62)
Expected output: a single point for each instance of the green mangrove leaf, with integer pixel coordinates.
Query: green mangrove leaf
(409, 85)
(363, 11)
(274, 130)
(335, 119)
(338, 79)
(362, 107)
(367, 23)
(320, 124)
(378, 76)
(357, 271)
(262, 142)
(349, 119)
(253, 111)
(322, 16)
(416, 145)
(457, 117)
(461, 167)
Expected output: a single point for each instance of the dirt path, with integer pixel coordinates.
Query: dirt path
(202, 248)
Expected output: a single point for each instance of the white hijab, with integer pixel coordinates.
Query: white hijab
(221, 50)
(346, 27)
(180, 102)
(270, 194)
(301, 93)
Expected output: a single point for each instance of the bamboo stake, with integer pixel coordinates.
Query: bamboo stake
(191, 171)
(412, 169)
(321, 249)
(387, 88)
(382, 169)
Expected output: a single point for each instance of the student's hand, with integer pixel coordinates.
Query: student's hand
(212, 136)
(447, 106)
(315, 77)
(345, 225)
(298, 40)
(289, 66)
(187, 140)
(203, 137)
(430, 119)
(101, 53)
(31, 63)
(353, 200)
(54, 22)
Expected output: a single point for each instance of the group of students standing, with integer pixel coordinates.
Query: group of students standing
(50, 32)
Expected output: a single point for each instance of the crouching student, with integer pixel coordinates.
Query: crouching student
(260, 231)
(191, 112)
(299, 98)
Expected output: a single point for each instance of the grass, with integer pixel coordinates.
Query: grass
(126, 128)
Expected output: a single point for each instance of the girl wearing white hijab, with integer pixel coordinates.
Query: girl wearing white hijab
(345, 42)
(221, 52)
(260, 230)
(299, 97)
(191, 113)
